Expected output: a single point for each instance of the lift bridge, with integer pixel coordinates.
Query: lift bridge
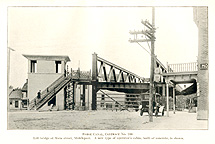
(104, 76)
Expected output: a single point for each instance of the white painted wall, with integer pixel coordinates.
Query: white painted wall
(13, 104)
(60, 100)
(39, 81)
(88, 96)
(46, 66)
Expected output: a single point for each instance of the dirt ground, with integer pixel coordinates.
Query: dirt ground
(101, 120)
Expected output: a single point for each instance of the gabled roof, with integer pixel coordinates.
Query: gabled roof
(48, 57)
(16, 94)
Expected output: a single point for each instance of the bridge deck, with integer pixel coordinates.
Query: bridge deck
(180, 73)
(124, 87)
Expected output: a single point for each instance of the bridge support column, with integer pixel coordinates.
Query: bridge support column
(94, 96)
(167, 99)
(174, 100)
(74, 94)
(163, 93)
(83, 102)
(94, 82)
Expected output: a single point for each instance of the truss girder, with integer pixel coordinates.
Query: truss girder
(112, 75)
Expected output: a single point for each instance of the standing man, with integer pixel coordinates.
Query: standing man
(39, 94)
(141, 109)
(65, 73)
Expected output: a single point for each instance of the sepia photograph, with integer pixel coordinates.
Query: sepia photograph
(108, 68)
(107, 73)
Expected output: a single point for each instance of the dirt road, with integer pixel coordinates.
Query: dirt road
(101, 120)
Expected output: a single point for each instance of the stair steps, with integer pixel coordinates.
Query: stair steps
(49, 92)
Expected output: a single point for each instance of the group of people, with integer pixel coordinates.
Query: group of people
(156, 107)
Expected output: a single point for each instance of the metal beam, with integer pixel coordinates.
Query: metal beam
(94, 81)
(159, 63)
(110, 74)
(119, 77)
(117, 85)
(140, 40)
(140, 32)
(114, 75)
(74, 95)
(94, 67)
(118, 67)
(148, 33)
(104, 70)
(180, 73)
(148, 25)
(167, 99)
(174, 100)
(83, 103)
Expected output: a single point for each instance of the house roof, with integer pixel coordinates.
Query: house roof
(25, 87)
(10, 90)
(16, 94)
(48, 57)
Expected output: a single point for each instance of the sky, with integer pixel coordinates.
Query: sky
(80, 31)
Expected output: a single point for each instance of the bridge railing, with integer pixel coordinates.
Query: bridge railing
(182, 67)
(77, 74)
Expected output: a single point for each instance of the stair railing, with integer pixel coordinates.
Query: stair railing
(51, 93)
(48, 90)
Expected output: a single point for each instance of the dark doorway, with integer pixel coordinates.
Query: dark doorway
(16, 104)
(52, 101)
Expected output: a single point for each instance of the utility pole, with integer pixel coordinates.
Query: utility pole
(152, 70)
(8, 75)
(150, 37)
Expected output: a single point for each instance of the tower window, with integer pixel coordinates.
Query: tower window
(33, 66)
(58, 66)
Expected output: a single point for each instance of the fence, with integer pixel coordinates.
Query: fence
(183, 67)
(77, 74)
